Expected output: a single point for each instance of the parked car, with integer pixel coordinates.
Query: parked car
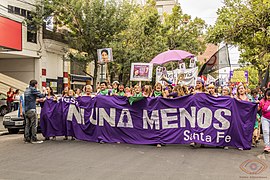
(3, 104)
(13, 123)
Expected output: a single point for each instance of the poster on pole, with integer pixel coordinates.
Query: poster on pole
(104, 55)
(141, 72)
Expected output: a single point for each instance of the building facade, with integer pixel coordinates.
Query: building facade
(41, 56)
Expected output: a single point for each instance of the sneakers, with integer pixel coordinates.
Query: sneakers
(192, 144)
(226, 148)
(158, 145)
(37, 142)
(266, 149)
(53, 138)
(27, 141)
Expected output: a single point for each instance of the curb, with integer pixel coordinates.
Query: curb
(3, 133)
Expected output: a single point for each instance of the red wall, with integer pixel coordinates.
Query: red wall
(10, 34)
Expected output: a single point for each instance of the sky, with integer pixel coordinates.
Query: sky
(206, 9)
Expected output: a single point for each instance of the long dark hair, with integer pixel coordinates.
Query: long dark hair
(52, 93)
(266, 93)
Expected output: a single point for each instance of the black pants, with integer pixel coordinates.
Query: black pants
(9, 106)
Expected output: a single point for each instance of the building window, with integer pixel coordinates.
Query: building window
(17, 11)
(31, 31)
(23, 12)
(10, 9)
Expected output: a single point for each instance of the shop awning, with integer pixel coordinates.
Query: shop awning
(81, 78)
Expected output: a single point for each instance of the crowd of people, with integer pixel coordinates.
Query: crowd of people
(240, 92)
(13, 100)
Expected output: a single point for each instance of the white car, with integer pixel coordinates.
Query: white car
(3, 104)
(13, 123)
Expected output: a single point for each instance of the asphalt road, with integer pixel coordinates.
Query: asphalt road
(86, 160)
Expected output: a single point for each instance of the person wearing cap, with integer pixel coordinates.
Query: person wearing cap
(115, 85)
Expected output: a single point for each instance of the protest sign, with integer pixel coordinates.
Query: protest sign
(104, 55)
(238, 76)
(141, 72)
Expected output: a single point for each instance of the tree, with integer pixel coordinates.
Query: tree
(245, 23)
(181, 32)
(141, 41)
(135, 33)
(147, 36)
(89, 25)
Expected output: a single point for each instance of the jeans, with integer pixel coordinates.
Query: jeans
(9, 106)
(30, 131)
(266, 129)
(16, 106)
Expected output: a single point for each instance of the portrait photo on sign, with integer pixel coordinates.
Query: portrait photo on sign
(104, 55)
(141, 72)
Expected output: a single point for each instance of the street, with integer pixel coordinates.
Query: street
(87, 160)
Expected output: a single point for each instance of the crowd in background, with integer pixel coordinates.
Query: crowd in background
(239, 92)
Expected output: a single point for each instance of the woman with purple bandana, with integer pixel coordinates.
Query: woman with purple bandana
(199, 88)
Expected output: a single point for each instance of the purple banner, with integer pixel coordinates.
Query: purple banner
(200, 118)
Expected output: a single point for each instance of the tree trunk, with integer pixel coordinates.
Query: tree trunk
(95, 75)
(260, 76)
(94, 55)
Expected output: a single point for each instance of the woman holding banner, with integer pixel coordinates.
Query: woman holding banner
(50, 95)
(199, 88)
(241, 93)
(265, 107)
(158, 91)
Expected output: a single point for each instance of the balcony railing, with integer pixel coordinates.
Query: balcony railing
(53, 35)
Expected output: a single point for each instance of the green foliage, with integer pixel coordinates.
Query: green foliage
(181, 32)
(246, 24)
(135, 33)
